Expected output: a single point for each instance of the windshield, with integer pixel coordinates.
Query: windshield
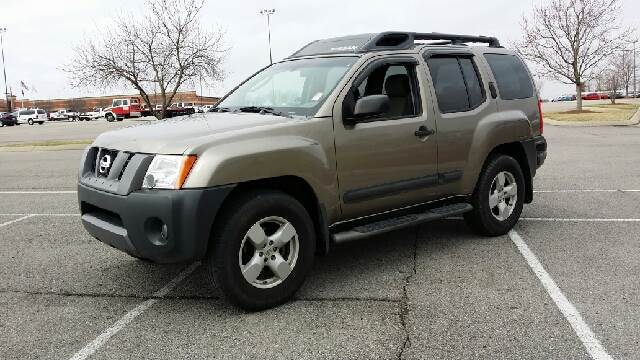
(297, 87)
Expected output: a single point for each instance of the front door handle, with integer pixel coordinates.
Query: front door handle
(423, 131)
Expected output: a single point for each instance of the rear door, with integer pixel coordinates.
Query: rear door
(462, 102)
(382, 162)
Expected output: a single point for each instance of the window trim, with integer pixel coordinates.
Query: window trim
(408, 61)
(458, 56)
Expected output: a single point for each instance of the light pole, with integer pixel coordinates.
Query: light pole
(635, 94)
(4, 69)
(269, 12)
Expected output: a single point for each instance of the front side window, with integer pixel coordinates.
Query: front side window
(40, 111)
(456, 82)
(117, 102)
(125, 102)
(297, 87)
(398, 82)
(511, 75)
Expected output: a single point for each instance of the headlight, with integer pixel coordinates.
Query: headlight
(168, 171)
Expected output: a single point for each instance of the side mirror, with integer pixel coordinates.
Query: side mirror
(372, 105)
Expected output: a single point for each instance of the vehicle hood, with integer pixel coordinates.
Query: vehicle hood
(177, 135)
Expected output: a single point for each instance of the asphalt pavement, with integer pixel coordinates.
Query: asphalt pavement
(432, 292)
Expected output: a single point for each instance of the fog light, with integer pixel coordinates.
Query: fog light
(156, 231)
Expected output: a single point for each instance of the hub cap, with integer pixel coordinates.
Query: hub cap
(268, 252)
(503, 195)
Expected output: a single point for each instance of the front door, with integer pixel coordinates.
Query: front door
(389, 161)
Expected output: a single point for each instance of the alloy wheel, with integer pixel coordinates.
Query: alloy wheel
(269, 252)
(503, 195)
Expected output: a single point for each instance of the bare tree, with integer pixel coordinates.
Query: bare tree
(78, 104)
(613, 82)
(624, 63)
(163, 50)
(569, 39)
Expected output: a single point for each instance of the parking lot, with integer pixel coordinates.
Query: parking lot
(564, 285)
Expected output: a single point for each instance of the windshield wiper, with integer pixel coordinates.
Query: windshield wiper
(262, 110)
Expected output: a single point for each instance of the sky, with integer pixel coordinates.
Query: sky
(41, 34)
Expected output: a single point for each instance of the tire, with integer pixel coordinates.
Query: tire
(231, 249)
(484, 219)
(1, 124)
(109, 117)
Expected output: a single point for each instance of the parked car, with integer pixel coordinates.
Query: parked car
(32, 116)
(130, 108)
(591, 96)
(8, 119)
(94, 114)
(207, 108)
(64, 114)
(564, 98)
(361, 144)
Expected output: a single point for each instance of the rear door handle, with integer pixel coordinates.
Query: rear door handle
(423, 131)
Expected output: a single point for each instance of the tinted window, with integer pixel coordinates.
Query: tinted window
(40, 111)
(511, 75)
(449, 84)
(23, 112)
(475, 90)
(117, 102)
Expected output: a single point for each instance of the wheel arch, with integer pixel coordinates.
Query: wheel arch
(517, 151)
(299, 189)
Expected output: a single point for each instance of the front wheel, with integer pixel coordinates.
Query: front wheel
(262, 249)
(109, 117)
(498, 198)
(30, 121)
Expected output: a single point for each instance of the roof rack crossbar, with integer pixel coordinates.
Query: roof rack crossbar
(405, 40)
(458, 39)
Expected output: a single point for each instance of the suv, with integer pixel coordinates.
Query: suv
(32, 116)
(346, 138)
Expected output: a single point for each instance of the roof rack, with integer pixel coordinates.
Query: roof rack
(390, 40)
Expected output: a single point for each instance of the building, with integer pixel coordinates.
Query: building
(88, 103)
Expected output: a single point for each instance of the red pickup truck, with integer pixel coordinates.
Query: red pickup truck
(121, 109)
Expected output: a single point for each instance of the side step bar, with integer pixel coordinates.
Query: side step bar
(387, 225)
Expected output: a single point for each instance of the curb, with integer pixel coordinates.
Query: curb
(633, 121)
(4, 149)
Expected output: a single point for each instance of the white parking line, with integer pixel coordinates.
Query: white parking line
(579, 220)
(39, 214)
(98, 342)
(15, 220)
(588, 338)
(586, 191)
(39, 192)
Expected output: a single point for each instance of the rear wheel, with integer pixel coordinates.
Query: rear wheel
(498, 198)
(1, 124)
(262, 249)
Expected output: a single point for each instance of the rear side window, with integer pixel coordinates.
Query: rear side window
(511, 75)
(40, 111)
(456, 82)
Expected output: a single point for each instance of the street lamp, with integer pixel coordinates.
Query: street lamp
(4, 69)
(269, 12)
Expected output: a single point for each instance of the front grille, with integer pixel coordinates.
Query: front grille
(105, 161)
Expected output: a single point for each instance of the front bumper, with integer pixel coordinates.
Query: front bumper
(160, 225)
